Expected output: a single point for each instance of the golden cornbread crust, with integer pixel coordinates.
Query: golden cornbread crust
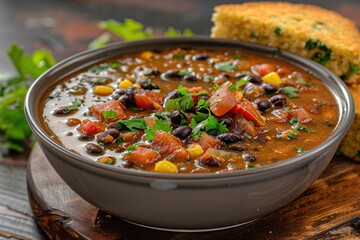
(306, 30)
(351, 144)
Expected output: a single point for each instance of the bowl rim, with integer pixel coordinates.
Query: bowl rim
(343, 125)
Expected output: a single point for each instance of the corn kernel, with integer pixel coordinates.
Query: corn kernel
(137, 85)
(107, 160)
(268, 138)
(272, 78)
(103, 90)
(165, 167)
(125, 84)
(146, 55)
(195, 150)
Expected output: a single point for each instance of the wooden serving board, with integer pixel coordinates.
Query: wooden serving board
(329, 209)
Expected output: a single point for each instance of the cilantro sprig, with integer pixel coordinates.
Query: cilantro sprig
(132, 124)
(182, 103)
(159, 126)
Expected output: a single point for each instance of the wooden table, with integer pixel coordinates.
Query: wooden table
(329, 209)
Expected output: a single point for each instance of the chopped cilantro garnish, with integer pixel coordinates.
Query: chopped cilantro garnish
(131, 148)
(232, 88)
(227, 66)
(207, 77)
(298, 127)
(238, 56)
(248, 166)
(183, 73)
(179, 57)
(244, 80)
(286, 109)
(291, 136)
(159, 125)
(278, 31)
(216, 87)
(293, 121)
(300, 150)
(133, 124)
(109, 114)
(54, 94)
(304, 83)
(291, 91)
(248, 136)
(74, 106)
(183, 103)
(97, 80)
(119, 140)
(321, 56)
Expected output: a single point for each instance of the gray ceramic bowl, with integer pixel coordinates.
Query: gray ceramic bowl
(187, 201)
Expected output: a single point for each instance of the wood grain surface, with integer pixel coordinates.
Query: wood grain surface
(329, 209)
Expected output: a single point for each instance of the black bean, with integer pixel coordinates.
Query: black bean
(94, 149)
(202, 96)
(255, 79)
(248, 157)
(113, 132)
(210, 162)
(120, 91)
(227, 121)
(176, 117)
(61, 111)
(263, 104)
(170, 74)
(86, 137)
(115, 126)
(190, 78)
(200, 57)
(182, 132)
(278, 100)
(115, 96)
(147, 84)
(270, 88)
(127, 164)
(238, 147)
(229, 138)
(261, 139)
(120, 149)
(171, 95)
(108, 136)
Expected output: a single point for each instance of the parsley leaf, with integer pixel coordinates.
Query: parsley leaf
(75, 105)
(232, 88)
(159, 126)
(238, 56)
(244, 80)
(291, 91)
(133, 124)
(109, 114)
(183, 103)
(300, 150)
(227, 66)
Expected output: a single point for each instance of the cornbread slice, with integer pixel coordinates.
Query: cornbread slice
(309, 31)
(351, 144)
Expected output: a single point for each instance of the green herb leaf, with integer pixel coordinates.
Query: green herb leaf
(159, 126)
(293, 121)
(183, 103)
(227, 66)
(100, 41)
(75, 105)
(243, 81)
(109, 114)
(286, 109)
(207, 77)
(172, 32)
(133, 124)
(353, 69)
(128, 30)
(278, 31)
(238, 56)
(232, 88)
(183, 73)
(300, 150)
(291, 91)
(131, 148)
(180, 57)
(322, 55)
(291, 136)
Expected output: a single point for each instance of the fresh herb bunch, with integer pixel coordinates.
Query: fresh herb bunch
(15, 133)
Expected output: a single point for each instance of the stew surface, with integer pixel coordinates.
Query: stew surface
(190, 111)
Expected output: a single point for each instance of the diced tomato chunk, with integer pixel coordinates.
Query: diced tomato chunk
(246, 108)
(223, 100)
(263, 69)
(147, 99)
(143, 156)
(206, 141)
(113, 105)
(89, 127)
(194, 90)
(170, 146)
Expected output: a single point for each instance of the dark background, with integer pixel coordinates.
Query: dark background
(66, 27)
